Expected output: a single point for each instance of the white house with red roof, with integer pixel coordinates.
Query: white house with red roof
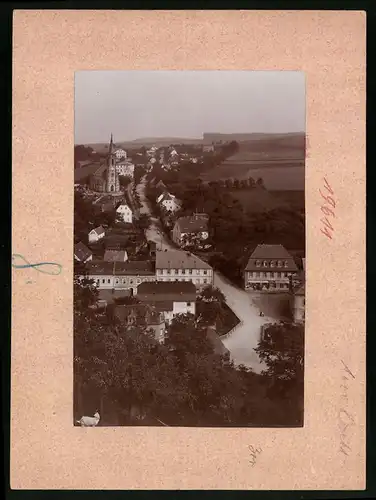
(270, 267)
(168, 201)
(125, 213)
(96, 234)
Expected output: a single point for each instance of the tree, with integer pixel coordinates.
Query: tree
(212, 294)
(124, 181)
(281, 348)
(260, 182)
(144, 221)
(126, 300)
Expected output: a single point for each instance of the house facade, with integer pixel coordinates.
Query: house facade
(96, 234)
(171, 298)
(141, 315)
(120, 153)
(191, 231)
(125, 168)
(125, 212)
(269, 268)
(177, 265)
(120, 275)
(169, 202)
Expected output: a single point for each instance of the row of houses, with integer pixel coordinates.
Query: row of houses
(167, 266)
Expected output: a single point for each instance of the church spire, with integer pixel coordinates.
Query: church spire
(111, 144)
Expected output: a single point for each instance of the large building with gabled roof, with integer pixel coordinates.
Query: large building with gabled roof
(178, 265)
(270, 267)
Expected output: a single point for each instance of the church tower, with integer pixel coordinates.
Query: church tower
(113, 185)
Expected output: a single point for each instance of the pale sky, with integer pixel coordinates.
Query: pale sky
(136, 104)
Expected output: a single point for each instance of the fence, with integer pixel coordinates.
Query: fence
(228, 334)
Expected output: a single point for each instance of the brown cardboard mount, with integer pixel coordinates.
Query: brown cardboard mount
(47, 452)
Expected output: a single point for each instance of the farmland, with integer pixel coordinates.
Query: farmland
(259, 200)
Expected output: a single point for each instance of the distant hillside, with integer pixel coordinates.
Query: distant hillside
(252, 142)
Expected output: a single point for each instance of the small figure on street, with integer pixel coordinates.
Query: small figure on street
(261, 313)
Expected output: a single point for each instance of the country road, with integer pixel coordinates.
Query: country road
(242, 342)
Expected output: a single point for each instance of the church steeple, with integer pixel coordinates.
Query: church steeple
(111, 144)
(112, 174)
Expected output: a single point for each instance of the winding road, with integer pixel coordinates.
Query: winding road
(244, 339)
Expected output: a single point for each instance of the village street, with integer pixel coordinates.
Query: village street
(244, 339)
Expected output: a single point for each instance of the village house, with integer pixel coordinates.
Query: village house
(269, 268)
(178, 265)
(169, 202)
(192, 230)
(111, 255)
(120, 275)
(141, 315)
(126, 168)
(120, 153)
(171, 298)
(298, 304)
(82, 253)
(96, 234)
(125, 213)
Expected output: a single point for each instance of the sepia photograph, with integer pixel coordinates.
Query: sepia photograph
(189, 248)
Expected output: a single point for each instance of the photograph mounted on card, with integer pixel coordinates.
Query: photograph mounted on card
(182, 262)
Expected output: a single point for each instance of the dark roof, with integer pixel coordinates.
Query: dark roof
(115, 255)
(81, 251)
(270, 253)
(83, 172)
(192, 224)
(110, 295)
(167, 291)
(178, 259)
(99, 230)
(100, 267)
(134, 267)
(130, 268)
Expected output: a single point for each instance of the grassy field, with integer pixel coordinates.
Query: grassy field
(259, 200)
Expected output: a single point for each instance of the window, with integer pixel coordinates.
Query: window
(279, 263)
(190, 271)
(168, 271)
(103, 281)
(205, 272)
(272, 263)
(286, 263)
(258, 263)
(205, 281)
(109, 280)
(188, 304)
(116, 281)
(124, 280)
(159, 271)
(183, 271)
(276, 275)
(282, 275)
(131, 282)
(138, 280)
(265, 264)
(257, 275)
